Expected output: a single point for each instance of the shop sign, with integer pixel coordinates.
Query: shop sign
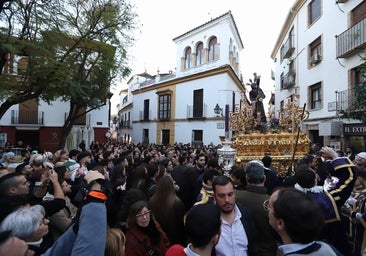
(354, 129)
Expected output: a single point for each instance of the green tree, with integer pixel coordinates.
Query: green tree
(74, 51)
(357, 98)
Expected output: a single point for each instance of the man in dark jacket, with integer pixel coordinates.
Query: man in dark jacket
(253, 197)
(237, 227)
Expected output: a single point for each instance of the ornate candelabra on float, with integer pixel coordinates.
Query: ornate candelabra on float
(226, 154)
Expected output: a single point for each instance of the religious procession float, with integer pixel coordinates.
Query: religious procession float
(255, 136)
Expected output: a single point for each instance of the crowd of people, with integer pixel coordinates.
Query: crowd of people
(137, 200)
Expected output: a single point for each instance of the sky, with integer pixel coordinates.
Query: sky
(258, 21)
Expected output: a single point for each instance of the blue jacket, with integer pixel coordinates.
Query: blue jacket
(90, 238)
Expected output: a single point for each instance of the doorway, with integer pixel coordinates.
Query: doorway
(29, 137)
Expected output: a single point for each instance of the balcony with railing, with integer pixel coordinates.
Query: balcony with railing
(126, 124)
(351, 40)
(145, 115)
(288, 48)
(27, 117)
(346, 100)
(289, 80)
(197, 112)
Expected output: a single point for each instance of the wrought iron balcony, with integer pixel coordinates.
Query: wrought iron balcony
(145, 115)
(27, 117)
(346, 100)
(351, 40)
(288, 48)
(125, 124)
(197, 112)
(289, 80)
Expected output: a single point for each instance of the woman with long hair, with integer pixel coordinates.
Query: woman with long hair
(169, 210)
(144, 235)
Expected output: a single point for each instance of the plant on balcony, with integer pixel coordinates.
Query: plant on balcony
(356, 109)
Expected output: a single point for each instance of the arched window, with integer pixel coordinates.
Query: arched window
(199, 54)
(187, 58)
(213, 52)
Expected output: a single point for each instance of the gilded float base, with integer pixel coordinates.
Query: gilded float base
(280, 146)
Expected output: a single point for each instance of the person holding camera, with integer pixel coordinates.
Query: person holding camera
(15, 192)
(86, 237)
(332, 195)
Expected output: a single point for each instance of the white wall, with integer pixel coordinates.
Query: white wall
(223, 29)
(331, 72)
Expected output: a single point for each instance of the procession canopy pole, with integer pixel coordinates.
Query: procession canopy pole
(297, 138)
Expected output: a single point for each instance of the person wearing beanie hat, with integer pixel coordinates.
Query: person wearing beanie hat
(6, 158)
(360, 160)
(362, 155)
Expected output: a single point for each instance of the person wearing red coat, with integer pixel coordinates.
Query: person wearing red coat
(144, 234)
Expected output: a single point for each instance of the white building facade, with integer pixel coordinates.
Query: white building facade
(39, 125)
(179, 106)
(317, 58)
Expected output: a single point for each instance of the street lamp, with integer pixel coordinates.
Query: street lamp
(217, 109)
(226, 154)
